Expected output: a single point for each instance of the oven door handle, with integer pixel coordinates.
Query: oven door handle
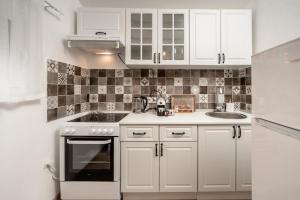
(88, 142)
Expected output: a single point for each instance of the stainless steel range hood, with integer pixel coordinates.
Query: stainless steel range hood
(99, 45)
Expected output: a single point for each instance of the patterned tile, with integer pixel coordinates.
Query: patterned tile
(102, 89)
(220, 81)
(144, 82)
(203, 98)
(77, 89)
(70, 69)
(52, 66)
(195, 89)
(93, 98)
(52, 102)
(236, 89)
(162, 89)
(127, 98)
(178, 81)
(62, 79)
(203, 82)
(119, 89)
(127, 81)
(119, 73)
(70, 110)
(242, 72)
(228, 73)
(110, 106)
(248, 90)
(237, 106)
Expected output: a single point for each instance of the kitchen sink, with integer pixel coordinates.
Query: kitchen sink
(226, 115)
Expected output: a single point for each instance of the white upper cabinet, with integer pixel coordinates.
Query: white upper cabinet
(109, 21)
(236, 37)
(205, 34)
(173, 36)
(141, 36)
(221, 37)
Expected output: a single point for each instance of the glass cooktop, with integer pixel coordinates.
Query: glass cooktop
(101, 117)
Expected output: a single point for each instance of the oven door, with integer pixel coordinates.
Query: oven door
(89, 158)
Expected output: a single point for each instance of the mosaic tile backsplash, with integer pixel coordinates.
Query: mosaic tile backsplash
(72, 89)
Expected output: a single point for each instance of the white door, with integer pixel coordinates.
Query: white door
(141, 36)
(243, 162)
(236, 40)
(205, 36)
(216, 159)
(178, 167)
(139, 167)
(173, 36)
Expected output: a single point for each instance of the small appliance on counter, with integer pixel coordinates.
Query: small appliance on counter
(140, 104)
(183, 103)
(161, 106)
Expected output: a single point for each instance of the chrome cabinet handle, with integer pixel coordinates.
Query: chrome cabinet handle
(158, 58)
(223, 55)
(161, 150)
(154, 58)
(136, 133)
(240, 132)
(174, 133)
(156, 150)
(219, 58)
(234, 132)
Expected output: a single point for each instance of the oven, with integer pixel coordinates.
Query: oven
(90, 159)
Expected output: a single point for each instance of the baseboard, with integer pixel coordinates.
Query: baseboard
(224, 196)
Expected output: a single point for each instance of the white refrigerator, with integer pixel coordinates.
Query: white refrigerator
(276, 125)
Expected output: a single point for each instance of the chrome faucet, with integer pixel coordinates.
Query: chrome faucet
(220, 105)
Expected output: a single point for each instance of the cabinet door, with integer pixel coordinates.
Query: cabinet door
(243, 157)
(139, 167)
(141, 36)
(178, 167)
(216, 159)
(236, 36)
(110, 21)
(205, 35)
(173, 36)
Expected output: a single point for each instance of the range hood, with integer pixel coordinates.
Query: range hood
(98, 44)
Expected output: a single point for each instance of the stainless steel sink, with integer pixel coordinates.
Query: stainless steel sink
(226, 115)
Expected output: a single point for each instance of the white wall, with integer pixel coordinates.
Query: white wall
(275, 22)
(27, 141)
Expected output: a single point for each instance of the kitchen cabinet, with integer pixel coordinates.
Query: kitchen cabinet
(178, 167)
(157, 36)
(141, 36)
(173, 36)
(158, 166)
(220, 37)
(224, 161)
(139, 167)
(108, 22)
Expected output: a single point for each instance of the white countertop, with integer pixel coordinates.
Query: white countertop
(197, 117)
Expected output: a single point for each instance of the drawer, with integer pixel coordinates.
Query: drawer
(178, 133)
(139, 133)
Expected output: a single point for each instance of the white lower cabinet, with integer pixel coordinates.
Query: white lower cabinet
(178, 167)
(224, 158)
(139, 167)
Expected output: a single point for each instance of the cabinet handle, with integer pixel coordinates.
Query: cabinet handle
(234, 132)
(223, 55)
(161, 150)
(156, 150)
(240, 132)
(174, 133)
(154, 58)
(100, 33)
(142, 133)
(219, 58)
(158, 58)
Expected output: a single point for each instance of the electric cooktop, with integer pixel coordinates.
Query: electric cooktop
(101, 117)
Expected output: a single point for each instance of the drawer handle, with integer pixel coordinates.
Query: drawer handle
(181, 133)
(136, 133)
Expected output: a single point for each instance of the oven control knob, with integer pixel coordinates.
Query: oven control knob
(72, 130)
(66, 130)
(93, 131)
(99, 130)
(111, 130)
(105, 130)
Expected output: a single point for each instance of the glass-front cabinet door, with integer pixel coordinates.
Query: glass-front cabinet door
(173, 36)
(141, 36)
